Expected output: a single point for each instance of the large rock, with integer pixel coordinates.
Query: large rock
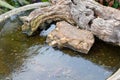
(66, 35)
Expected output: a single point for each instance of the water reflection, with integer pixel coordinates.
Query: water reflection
(12, 48)
(102, 54)
(29, 58)
(51, 64)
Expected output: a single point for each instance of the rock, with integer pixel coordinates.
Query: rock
(66, 35)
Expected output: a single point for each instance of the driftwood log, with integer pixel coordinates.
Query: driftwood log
(57, 11)
(102, 21)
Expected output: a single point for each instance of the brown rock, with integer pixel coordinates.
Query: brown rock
(66, 35)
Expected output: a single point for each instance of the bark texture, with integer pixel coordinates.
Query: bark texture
(102, 21)
(57, 11)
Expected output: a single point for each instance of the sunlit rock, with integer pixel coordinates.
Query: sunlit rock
(66, 35)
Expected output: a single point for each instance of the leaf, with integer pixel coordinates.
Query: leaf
(44, 0)
(5, 4)
(1, 11)
(116, 4)
(112, 3)
(22, 2)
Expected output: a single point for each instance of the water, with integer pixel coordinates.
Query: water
(30, 58)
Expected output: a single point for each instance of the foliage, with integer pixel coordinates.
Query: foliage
(116, 4)
(44, 0)
(6, 5)
(112, 3)
(17, 3)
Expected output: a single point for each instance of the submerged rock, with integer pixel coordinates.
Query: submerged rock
(66, 35)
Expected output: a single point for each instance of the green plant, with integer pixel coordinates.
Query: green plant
(44, 0)
(112, 3)
(116, 4)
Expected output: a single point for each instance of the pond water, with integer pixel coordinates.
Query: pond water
(29, 58)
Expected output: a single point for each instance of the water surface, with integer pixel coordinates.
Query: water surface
(30, 58)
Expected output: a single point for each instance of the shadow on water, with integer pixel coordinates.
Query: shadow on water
(102, 54)
(29, 58)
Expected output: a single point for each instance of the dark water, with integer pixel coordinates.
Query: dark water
(29, 58)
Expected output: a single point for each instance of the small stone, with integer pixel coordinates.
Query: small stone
(52, 43)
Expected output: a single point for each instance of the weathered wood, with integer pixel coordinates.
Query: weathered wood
(66, 35)
(56, 12)
(103, 21)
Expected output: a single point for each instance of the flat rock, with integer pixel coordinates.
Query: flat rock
(66, 35)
